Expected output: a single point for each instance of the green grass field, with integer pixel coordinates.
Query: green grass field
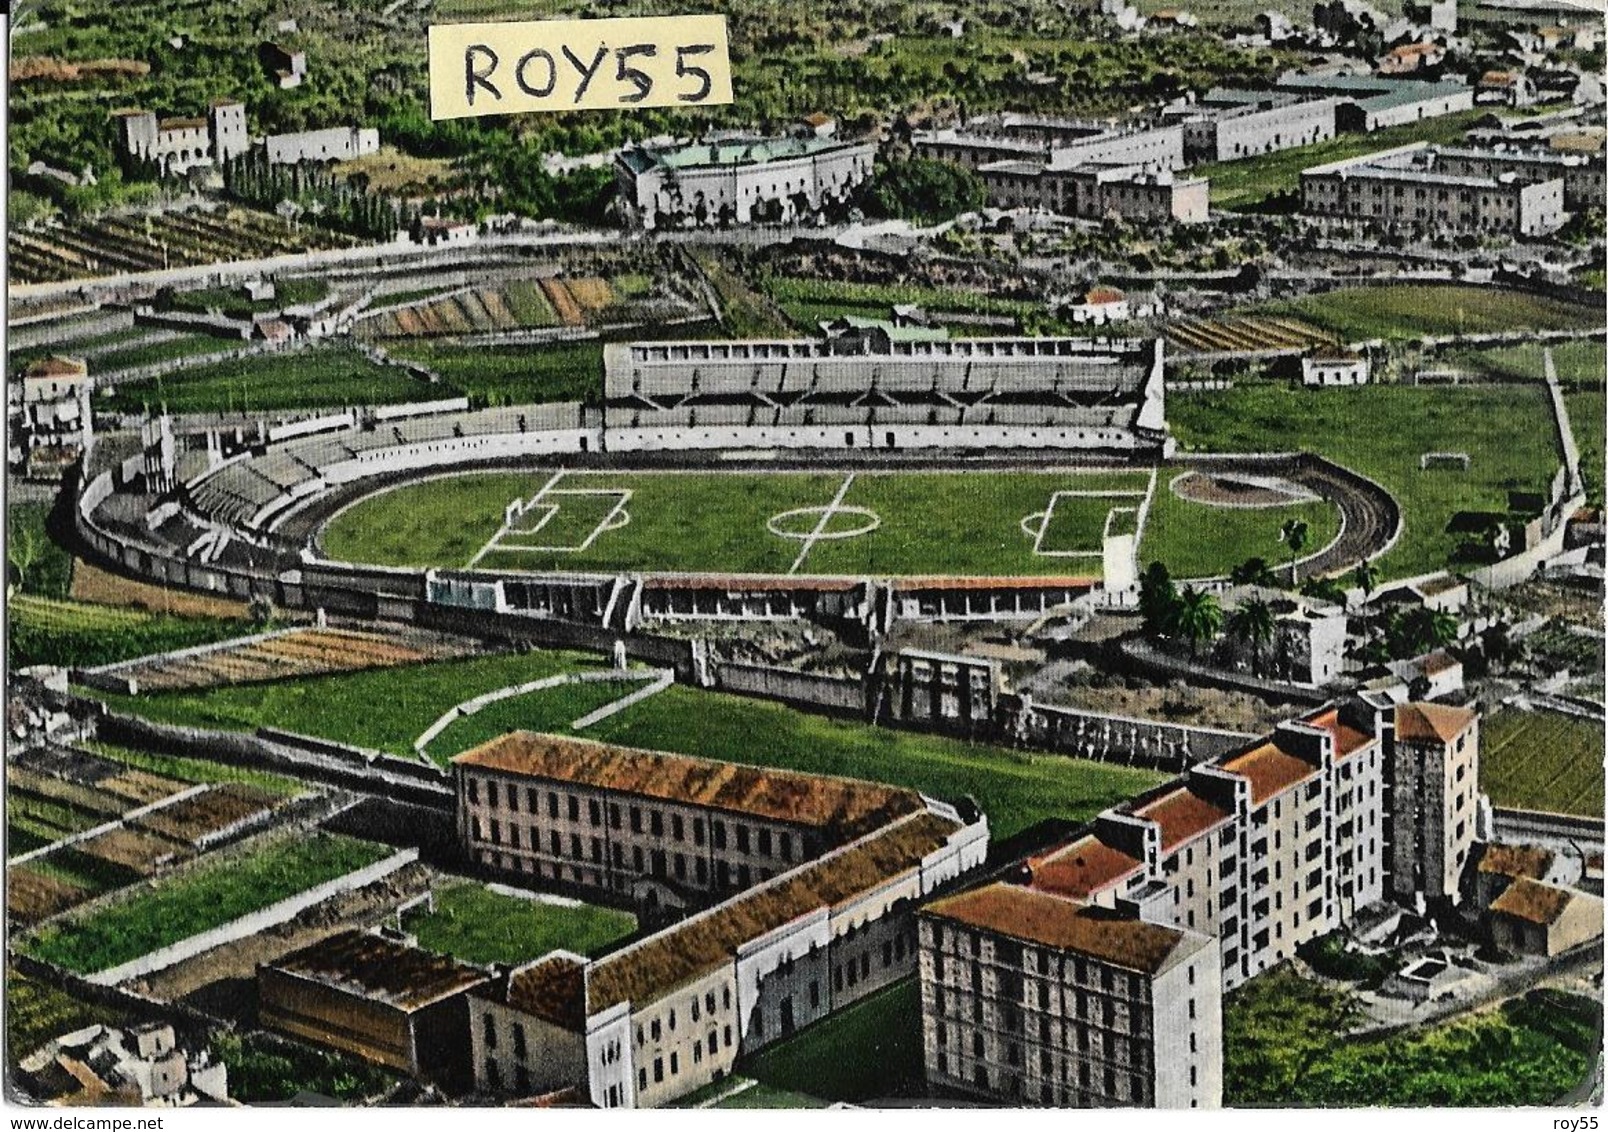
(862, 1053)
(194, 902)
(1381, 432)
(1543, 761)
(233, 302)
(1579, 362)
(300, 380)
(510, 375)
(477, 925)
(195, 770)
(388, 708)
(385, 709)
(1586, 418)
(904, 523)
(79, 634)
(166, 350)
(1413, 311)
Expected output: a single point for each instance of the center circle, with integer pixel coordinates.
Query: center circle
(804, 523)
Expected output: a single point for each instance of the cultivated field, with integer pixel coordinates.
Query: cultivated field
(1542, 761)
(47, 631)
(211, 895)
(299, 652)
(299, 380)
(1244, 334)
(473, 923)
(108, 245)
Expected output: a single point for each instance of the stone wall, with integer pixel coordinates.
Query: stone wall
(845, 694)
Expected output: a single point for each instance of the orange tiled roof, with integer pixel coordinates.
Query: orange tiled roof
(1439, 722)
(1081, 869)
(1096, 295)
(1347, 739)
(845, 807)
(1269, 769)
(1183, 814)
(1532, 901)
(1036, 917)
(928, 582)
(552, 989)
(1516, 861)
(57, 366)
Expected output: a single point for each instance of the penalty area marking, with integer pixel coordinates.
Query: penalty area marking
(512, 512)
(617, 517)
(1035, 526)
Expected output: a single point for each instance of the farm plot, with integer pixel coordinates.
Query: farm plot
(111, 244)
(1245, 335)
(195, 818)
(184, 905)
(299, 652)
(1543, 761)
(304, 379)
(33, 895)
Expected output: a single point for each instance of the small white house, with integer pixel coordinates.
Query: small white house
(1100, 305)
(1334, 366)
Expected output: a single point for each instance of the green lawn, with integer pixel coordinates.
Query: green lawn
(35, 562)
(1413, 311)
(509, 375)
(1579, 362)
(385, 709)
(921, 522)
(1241, 184)
(862, 1053)
(388, 708)
(314, 378)
(477, 925)
(1381, 431)
(194, 902)
(1280, 1049)
(1543, 761)
(166, 350)
(232, 301)
(195, 770)
(1196, 540)
(1586, 418)
(17, 360)
(82, 635)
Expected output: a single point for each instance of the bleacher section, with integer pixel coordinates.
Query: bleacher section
(250, 492)
(1092, 393)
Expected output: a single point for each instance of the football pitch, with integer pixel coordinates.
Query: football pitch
(975, 523)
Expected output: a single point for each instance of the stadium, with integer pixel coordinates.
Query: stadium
(866, 475)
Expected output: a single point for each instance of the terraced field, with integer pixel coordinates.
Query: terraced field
(1245, 334)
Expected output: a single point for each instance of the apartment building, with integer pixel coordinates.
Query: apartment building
(1434, 788)
(1227, 124)
(1059, 142)
(1094, 192)
(1583, 177)
(661, 829)
(1035, 999)
(1412, 188)
(671, 1013)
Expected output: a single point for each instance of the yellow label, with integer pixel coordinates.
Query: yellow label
(516, 68)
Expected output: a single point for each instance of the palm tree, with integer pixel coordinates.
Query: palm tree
(1198, 617)
(1253, 572)
(1427, 629)
(1366, 575)
(1293, 534)
(1253, 623)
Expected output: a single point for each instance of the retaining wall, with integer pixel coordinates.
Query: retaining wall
(1114, 738)
(808, 689)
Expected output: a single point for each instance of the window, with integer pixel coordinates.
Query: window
(574, 808)
(764, 843)
(677, 830)
(656, 823)
(718, 830)
(496, 832)
(636, 819)
(675, 1065)
(474, 790)
(513, 800)
(654, 1029)
(614, 816)
(552, 805)
(493, 1076)
(489, 1029)
(658, 1069)
(533, 800)
(742, 839)
(787, 846)
(697, 831)
(519, 1041)
(594, 811)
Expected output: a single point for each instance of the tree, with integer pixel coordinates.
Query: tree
(22, 550)
(1424, 629)
(1324, 589)
(1198, 617)
(1158, 598)
(1253, 572)
(922, 190)
(1253, 623)
(1366, 575)
(1293, 534)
